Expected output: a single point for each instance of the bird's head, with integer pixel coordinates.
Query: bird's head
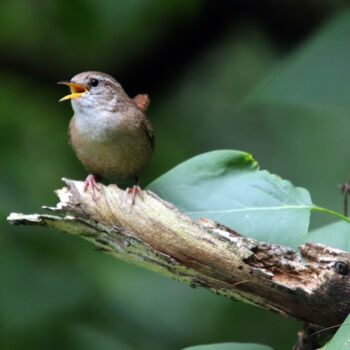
(92, 90)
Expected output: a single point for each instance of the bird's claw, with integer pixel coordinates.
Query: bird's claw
(136, 189)
(92, 184)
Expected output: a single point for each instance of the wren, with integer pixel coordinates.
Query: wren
(109, 131)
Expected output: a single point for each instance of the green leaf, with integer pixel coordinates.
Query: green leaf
(336, 235)
(341, 339)
(317, 75)
(227, 186)
(229, 346)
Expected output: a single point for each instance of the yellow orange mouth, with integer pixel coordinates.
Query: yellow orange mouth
(78, 90)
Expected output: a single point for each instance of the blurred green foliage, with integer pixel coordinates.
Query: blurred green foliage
(316, 75)
(204, 64)
(230, 346)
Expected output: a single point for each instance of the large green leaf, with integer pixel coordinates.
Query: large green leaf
(227, 186)
(336, 235)
(230, 346)
(316, 75)
(341, 339)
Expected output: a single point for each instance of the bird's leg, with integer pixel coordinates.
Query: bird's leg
(136, 189)
(91, 183)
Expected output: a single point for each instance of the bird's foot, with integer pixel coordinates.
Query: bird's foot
(136, 189)
(91, 183)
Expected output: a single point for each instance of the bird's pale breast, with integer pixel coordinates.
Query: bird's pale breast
(117, 152)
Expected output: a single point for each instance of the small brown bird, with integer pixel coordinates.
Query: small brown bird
(109, 131)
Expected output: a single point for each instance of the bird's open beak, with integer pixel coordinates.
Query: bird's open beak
(77, 90)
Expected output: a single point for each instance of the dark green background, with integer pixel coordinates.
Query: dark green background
(260, 76)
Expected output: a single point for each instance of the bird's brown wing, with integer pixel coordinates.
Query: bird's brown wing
(142, 101)
(147, 126)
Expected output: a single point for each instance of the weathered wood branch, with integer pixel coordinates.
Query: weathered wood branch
(202, 253)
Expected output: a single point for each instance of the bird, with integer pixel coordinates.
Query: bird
(109, 131)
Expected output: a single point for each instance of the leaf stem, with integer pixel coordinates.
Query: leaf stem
(331, 212)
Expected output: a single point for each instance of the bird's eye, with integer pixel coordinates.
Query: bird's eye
(94, 82)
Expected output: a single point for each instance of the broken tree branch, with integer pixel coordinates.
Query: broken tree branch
(202, 253)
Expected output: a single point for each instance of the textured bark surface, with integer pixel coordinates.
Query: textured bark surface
(202, 253)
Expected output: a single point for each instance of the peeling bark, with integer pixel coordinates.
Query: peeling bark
(157, 236)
